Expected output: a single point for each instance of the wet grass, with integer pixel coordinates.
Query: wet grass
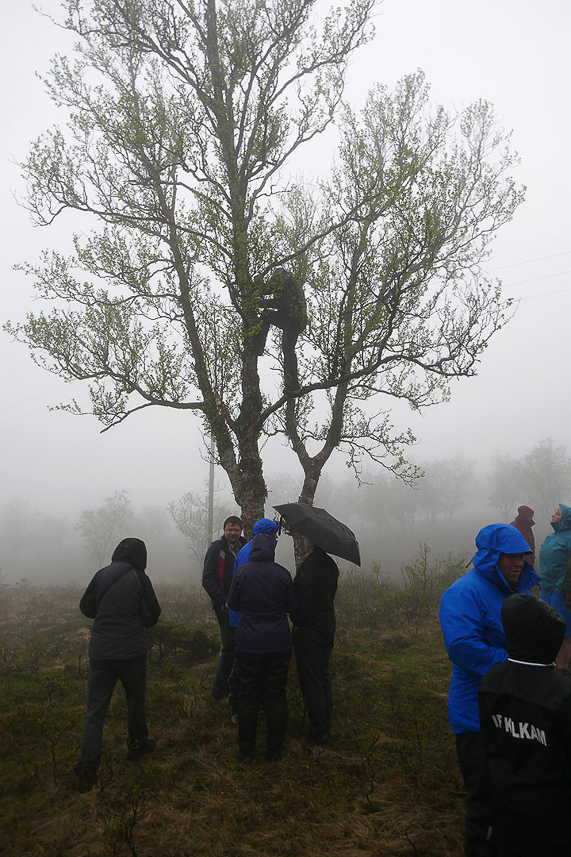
(387, 785)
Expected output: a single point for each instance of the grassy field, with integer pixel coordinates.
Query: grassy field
(387, 785)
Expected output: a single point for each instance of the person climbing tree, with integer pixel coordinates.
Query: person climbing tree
(285, 307)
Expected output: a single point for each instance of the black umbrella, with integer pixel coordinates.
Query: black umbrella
(322, 529)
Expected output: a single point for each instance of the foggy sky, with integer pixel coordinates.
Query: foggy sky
(514, 54)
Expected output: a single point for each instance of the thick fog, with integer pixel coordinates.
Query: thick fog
(56, 466)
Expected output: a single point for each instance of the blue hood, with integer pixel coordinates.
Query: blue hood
(494, 540)
(265, 525)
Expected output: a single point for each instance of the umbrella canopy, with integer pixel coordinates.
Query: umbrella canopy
(322, 529)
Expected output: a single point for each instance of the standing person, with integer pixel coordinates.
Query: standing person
(525, 716)
(264, 594)
(264, 525)
(313, 637)
(475, 641)
(524, 522)
(554, 555)
(216, 580)
(121, 600)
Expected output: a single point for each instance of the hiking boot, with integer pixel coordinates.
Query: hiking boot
(245, 758)
(86, 778)
(271, 755)
(136, 751)
(320, 739)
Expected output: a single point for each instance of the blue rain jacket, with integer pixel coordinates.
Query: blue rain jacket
(555, 552)
(264, 525)
(471, 621)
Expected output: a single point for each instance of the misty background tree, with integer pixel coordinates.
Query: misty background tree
(540, 479)
(101, 528)
(185, 130)
(190, 517)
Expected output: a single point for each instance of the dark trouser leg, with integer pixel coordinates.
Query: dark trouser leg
(234, 686)
(312, 653)
(101, 680)
(250, 699)
(290, 336)
(133, 674)
(259, 339)
(276, 666)
(473, 760)
(220, 688)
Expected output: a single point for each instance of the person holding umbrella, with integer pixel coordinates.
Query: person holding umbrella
(313, 637)
(314, 619)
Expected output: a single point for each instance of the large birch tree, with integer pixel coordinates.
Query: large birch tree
(185, 127)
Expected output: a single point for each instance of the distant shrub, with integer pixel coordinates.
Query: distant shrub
(185, 605)
(366, 599)
(372, 600)
(424, 584)
(169, 639)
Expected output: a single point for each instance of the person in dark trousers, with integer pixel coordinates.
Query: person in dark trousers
(264, 594)
(264, 525)
(525, 717)
(524, 522)
(216, 580)
(286, 309)
(313, 637)
(475, 641)
(122, 602)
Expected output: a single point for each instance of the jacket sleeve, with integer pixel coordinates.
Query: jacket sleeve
(210, 577)
(150, 607)
(558, 561)
(233, 599)
(564, 723)
(292, 599)
(88, 603)
(462, 621)
(304, 584)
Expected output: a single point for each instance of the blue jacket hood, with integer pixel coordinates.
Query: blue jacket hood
(494, 540)
(265, 525)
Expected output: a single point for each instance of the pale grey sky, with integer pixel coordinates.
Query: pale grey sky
(513, 53)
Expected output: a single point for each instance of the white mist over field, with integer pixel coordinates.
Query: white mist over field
(54, 465)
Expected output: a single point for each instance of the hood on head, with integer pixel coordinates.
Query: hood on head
(534, 629)
(263, 548)
(525, 512)
(133, 551)
(496, 539)
(265, 525)
(565, 522)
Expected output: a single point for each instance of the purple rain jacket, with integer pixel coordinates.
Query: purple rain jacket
(264, 594)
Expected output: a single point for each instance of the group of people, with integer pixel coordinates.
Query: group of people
(509, 702)
(252, 596)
